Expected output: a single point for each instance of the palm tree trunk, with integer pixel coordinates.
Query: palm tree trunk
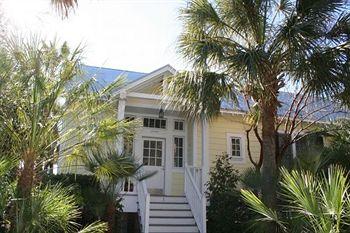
(269, 167)
(26, 178)
(110, 216)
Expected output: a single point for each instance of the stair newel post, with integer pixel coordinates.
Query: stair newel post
(205, 166)
(148, 197)
(204, 216)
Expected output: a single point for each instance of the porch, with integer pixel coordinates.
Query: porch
(167, 144)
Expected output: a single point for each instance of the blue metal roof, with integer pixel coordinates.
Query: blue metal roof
(105, 76)
(316, 109)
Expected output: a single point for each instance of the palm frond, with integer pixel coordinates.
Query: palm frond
(199, 93)
(63, 7)
(268, 215)
(95, 227)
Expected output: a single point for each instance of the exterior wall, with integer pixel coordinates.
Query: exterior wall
(177, 183)
(218, 133)
(189, 151)
(154, 89)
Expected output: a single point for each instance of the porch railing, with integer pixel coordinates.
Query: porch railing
(196, 198)
(144, 205)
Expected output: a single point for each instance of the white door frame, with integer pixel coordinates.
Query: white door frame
(160, 168)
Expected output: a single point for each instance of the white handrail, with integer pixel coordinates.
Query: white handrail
(196, 200)
(144, 205)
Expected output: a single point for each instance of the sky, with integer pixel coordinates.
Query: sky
(137, 35)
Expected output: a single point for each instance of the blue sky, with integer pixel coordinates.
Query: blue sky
(137, 35)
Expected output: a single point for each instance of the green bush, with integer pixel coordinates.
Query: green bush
(91, 200)
(226, 212)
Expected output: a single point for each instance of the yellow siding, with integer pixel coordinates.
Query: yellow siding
(177, 183)
(155, 89)
(218, 130)
(141, 102)
(189, 142)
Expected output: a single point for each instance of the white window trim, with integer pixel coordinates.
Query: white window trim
(183, 155)
(179, 120)
(155, 118)
(163, 150)
(235, 159)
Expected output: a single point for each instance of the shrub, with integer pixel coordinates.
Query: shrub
(91, 200)
(226, 212)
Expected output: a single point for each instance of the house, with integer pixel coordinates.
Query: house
(181, 151)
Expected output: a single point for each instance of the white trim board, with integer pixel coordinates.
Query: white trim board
(150, 76)
(243, 147)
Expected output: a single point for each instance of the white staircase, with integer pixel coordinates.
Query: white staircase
(171, 214)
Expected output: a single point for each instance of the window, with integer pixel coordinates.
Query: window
(287, 157)
(178, 125)
(152, 152)
(128, 185)
(309, 145)
(235, 147)
(154, 123)
(178, 151)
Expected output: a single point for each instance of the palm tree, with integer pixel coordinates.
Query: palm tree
(257, 47)
(52, 208)
(52, 110)
(109, 168)
(49, 111)
(311, 203)
(64, 6)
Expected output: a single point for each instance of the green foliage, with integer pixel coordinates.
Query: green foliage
(311, 203)
(226, 212)
(51, 209)
(7, 188)
(257, 47)
(338, 152)
(50, 109)
(91, 199)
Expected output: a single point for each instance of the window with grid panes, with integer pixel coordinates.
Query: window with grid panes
(152, 152)
(236, 150)
(154, 123)
(178, 151)
(179, 125)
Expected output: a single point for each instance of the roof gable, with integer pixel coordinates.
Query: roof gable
(105, 76)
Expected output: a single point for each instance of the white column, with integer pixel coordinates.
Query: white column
(205, 153)
(205, 170)
(194, 143)
(121, 105)
(120, 116)
(294, 148)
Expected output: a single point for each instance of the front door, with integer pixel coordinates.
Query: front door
(153, 161)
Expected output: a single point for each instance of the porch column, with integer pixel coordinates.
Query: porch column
(205, 153)
(120, 116)
(121, 105)
(194, 143)
(294, 148)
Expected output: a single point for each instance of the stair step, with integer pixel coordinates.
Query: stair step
(168, 199)
(170, 213)
(172, 228)
(170, 206)
(172, 220)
